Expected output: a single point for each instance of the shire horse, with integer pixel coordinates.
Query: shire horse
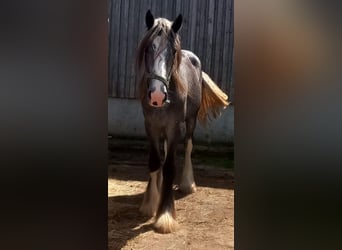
(174, 93)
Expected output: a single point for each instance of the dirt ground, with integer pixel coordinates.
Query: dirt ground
(206, 217)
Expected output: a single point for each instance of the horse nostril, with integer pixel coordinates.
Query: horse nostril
(155, 103)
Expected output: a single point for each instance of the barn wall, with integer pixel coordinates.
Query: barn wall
(130, 123)
(207, 30)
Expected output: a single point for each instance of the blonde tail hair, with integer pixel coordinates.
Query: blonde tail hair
(213, 100)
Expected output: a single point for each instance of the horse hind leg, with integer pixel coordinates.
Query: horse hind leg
(187, 184)
(165, 148)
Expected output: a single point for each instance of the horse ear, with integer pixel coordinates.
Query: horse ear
(149, 19)
(176, 25)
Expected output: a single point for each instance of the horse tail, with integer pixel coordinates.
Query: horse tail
(213, 100)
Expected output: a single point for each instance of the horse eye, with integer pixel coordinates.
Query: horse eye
(154, 47)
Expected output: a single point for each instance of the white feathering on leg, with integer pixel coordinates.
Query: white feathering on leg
(151, 197)
(166, 223)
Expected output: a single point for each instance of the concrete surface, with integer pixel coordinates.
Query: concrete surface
(125, 119)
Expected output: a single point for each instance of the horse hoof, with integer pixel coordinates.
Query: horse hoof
(188, 189)
(166, 224)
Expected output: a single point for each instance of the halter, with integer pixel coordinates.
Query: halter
(166, 81)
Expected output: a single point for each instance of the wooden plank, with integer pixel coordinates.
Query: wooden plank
(187, 23)
(136, 37)
(144, 5)
(165, 10)
(231, 47)
(114, 53)
(225, 63)
(154, 9)
(204, 36)
(195, 25)
(173, 5)
(230, 51)
(123, 47)
(200, 35)
(140, 28)
(110, 9)
(186, 17)
(232, 86)
(192, 24)
(178, 7)
(222, 44)
(157, 7)
(129, 55)
(210, 35)
(181, 11)
(160, 7)
(110, 52)
(171, 9)
(216, 41)
(195, 47)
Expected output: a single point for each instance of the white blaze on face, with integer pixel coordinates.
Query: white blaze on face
(159, 67)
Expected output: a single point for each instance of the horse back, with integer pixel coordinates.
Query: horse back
(191, 74)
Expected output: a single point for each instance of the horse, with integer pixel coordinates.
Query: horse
(174, 93)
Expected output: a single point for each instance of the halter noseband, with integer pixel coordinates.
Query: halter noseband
(166, 81)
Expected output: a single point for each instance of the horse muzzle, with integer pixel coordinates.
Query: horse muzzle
(157, 94)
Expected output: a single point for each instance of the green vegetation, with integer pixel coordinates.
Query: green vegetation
(215, 155)
(222, 162)
(215, 159)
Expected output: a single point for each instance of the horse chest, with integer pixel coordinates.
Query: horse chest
(164, 117)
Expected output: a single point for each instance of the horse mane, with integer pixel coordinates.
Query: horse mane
(161, 26)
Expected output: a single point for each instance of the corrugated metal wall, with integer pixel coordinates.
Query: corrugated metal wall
(207, 31)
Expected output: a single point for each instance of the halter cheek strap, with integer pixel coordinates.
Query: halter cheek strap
(165, 81)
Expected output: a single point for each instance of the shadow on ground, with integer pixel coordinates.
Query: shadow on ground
(204, 175)
(123, 215)
(128, 162)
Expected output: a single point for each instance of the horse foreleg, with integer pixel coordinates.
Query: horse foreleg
(165, 221)
(151, 200)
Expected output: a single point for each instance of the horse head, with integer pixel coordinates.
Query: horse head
(160, 54)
